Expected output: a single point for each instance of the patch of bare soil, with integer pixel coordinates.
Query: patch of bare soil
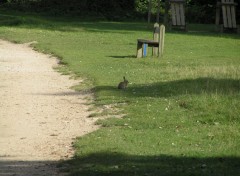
(40, 115)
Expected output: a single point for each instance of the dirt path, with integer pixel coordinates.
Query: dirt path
(39, 115)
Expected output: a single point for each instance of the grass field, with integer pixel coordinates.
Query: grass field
(182, 112)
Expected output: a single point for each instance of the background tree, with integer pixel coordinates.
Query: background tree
(196, 11)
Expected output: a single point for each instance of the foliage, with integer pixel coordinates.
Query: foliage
(201, 13)
(204, 11)
(106, 8)
(196, 11)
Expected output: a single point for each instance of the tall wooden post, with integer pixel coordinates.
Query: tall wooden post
(161, 40)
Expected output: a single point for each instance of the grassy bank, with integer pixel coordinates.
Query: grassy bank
(182, 111)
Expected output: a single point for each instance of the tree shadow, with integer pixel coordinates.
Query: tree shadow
(180, 87)
(118, 164)
(71, 24)
(123, 57)
(27, 168)
(65, 93)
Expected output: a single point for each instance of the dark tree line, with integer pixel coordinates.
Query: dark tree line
(196, 11)
(100, 8)
(204, 11)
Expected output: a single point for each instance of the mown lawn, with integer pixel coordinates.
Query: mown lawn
(182, 112)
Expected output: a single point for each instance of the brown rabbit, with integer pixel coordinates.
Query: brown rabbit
(123, 85)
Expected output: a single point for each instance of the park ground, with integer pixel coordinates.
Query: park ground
(40, 115)
(179, 114)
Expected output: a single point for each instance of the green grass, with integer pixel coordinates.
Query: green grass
(182, 111)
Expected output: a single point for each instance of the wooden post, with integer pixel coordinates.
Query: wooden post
(229, 15)
(161, 42)
(224, 11)
(174, 15)
(139, 50)
(149, 10)
(182, 14)
(233, 14)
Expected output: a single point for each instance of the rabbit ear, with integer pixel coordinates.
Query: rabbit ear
(124, 78)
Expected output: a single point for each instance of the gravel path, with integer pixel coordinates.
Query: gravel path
(39, 114)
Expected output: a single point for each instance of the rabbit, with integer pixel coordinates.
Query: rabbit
(123, 85)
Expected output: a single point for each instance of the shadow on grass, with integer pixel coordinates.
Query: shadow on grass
(118, 164)
(180, 87)
(123, 57)
(27, 168)
(64, 94)
(67, 24)
(73, 24)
